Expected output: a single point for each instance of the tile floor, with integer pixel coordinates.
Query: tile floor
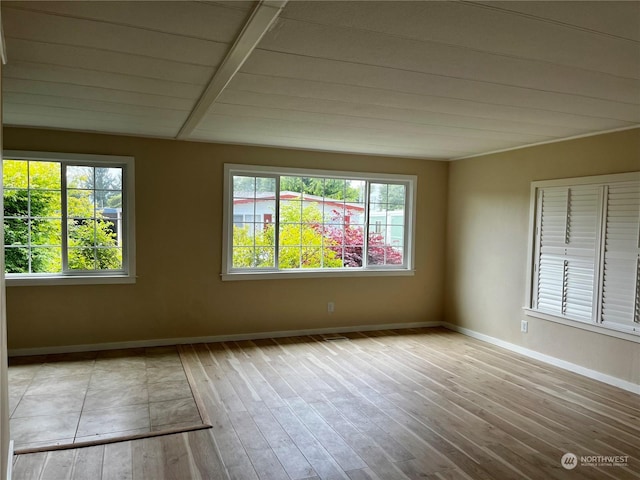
(71, 398)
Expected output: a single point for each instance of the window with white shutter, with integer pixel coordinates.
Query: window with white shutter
(566, 263)
(586, 251)
(620, 296)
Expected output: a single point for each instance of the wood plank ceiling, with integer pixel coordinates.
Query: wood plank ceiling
(437, 80)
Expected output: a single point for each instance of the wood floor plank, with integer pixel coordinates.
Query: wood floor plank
(29, 467)
(58, 465)
(117, 461)
(88, 463)
(389, 405)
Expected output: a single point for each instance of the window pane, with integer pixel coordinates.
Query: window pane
(46, 232)
(106, 233)
(265, 257)
(289, 257)
(16, 203)
(243, 236)
(265, 186)
(79, 177)
(16, 231)
(244, 187)
(332, 257)
(108, 178)
(290, 234)
(82, 258)
(243, 257)
(46, 260)
(311, 257)
(80, 204)
(290, 211)
(396, 198)
(81, 233)
(378, 193)
(109, 258)
(15, 173)
(16, 260)
(44, 175)
(291, 184)
(45, 203)
(109, 199)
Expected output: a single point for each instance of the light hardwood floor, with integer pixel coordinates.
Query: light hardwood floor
(407, 404)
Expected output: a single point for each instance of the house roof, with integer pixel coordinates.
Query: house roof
(287, 195)
(425, 79)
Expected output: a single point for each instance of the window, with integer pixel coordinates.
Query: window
(67, 218)
(301, 222)
(586, 251)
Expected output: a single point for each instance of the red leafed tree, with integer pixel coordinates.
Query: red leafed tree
(349, 247)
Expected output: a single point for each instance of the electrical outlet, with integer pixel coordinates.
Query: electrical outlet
(331, 307)
(524, 326)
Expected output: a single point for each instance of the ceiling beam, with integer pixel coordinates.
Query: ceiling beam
(254, 29)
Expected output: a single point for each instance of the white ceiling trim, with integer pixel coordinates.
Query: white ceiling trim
(257, 25)
(564, 139)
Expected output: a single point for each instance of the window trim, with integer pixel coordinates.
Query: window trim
(230, 274)
(633, 333)
(128, 273)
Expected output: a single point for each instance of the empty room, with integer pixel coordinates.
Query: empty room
(320, 240)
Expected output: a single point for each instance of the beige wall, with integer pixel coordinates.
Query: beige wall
(487, 233)
(178, 220)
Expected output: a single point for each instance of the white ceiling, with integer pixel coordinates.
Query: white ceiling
(437, 80)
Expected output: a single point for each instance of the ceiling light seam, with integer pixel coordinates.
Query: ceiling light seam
(118, 52)
(404, 92)
(327, 150)
(466, 48)
(108, 22)
(332, 140)
(75, 109)
(372, 129)
(400, 122)
(106, 102)
(6, 77)
(551, 21)
(427, 111)
(446, 76)
(58, 66)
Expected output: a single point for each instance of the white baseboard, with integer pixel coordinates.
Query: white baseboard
(92, 347)
(572, 367)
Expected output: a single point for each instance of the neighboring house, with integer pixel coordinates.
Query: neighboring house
(261, 209)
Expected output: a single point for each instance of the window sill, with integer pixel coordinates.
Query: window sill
(69, 280)
(632, 334)
(314, 274)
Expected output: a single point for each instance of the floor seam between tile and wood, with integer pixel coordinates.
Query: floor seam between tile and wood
(80, 398)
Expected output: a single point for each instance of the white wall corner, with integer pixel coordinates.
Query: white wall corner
(556, 362)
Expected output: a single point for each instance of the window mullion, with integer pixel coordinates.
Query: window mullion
(64, 215)
(276, 226)
(365, 236)
(29, 219)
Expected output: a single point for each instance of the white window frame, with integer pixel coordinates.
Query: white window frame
(595, 325)
(128, 272)
(229, 273)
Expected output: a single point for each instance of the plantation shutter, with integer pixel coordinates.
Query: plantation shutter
(620, 290)
(568, 226)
